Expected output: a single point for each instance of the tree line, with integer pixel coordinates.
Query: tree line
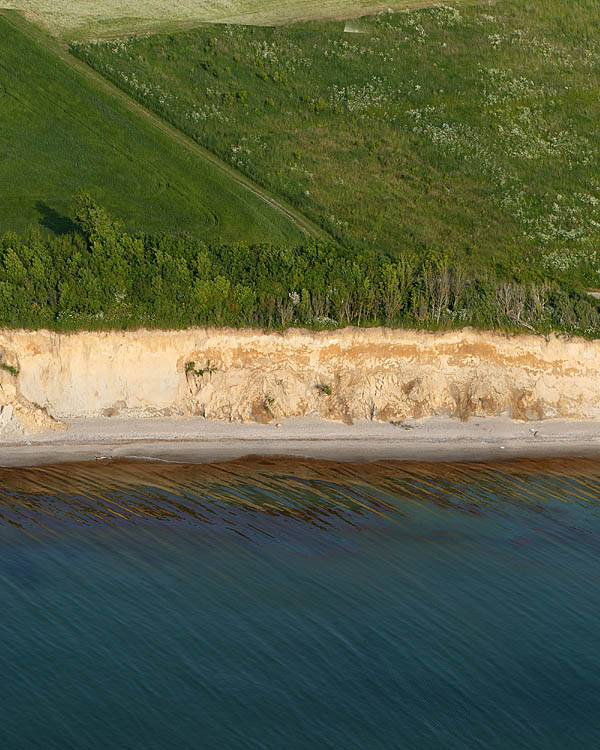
(102, 277)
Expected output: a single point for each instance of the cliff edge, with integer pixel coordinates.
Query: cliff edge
(250, 376)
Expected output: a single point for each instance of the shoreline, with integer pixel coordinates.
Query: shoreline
(196, 440)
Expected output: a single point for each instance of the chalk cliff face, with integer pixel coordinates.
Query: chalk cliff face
(248, 375)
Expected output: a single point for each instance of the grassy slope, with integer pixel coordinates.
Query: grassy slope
(475, 130)
(61, 132)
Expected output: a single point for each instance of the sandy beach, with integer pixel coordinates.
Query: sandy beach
(196, 440)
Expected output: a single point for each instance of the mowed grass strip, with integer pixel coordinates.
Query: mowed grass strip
(472, 128)
(61, 133)
(75, 19)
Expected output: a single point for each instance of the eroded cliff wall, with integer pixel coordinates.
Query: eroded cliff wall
(248, 375)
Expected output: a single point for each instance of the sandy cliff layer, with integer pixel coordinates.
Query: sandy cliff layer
(379, 374)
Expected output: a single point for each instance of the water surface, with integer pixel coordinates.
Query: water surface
(273, 603)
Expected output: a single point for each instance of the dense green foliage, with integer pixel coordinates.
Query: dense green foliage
(61, 132)
(103, 277)
(453, 154)
(472, 128)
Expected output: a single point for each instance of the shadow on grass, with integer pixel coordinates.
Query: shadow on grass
(53, 220)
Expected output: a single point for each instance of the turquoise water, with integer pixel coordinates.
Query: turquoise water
(281, 604)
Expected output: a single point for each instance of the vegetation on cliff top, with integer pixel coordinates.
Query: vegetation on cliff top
(104, 277)
(471, 127)
(452, 153)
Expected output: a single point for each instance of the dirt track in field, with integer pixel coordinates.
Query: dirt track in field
(297, 218)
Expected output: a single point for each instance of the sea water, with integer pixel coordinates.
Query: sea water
(288, 604)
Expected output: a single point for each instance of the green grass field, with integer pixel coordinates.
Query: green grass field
(62, 132)
(473, 129)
